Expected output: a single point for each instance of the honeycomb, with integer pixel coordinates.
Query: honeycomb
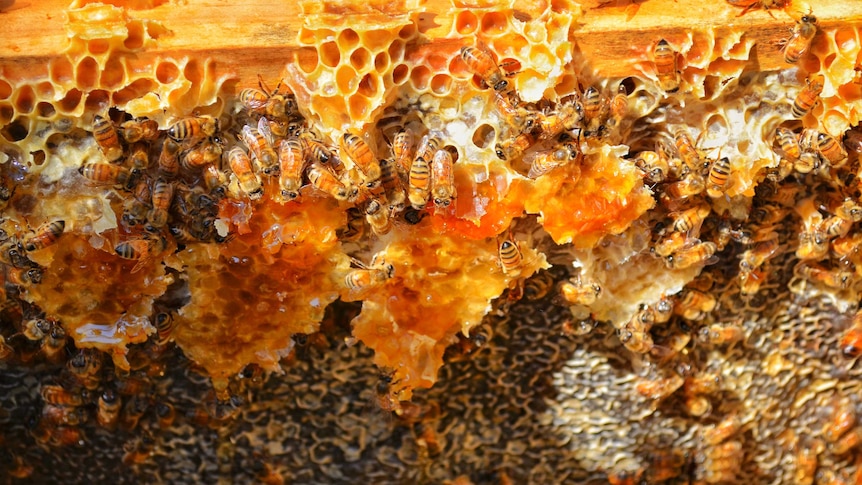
(445, 248)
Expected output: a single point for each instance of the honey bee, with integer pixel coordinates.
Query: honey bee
(690, 220)
(166, 414)
(806, 463)
(836, 226)
(164, 324)
(139, 156)
(46, 235)
(578, 292)
(386, 398)
(192, 129)
(480, 62)
(419, 183)
(266, 473)
(665, 62)
(847, 442)
(442, 179)
(697, 253)
(140, 130)
(542, 162)
(107, 138)
(634, 335)
(754, 258)
(691, 184)
(85, 367)
(58, 396)
(687, 151)
(788, 141)
(109, 409)
(360, 154)
(694, 305)
(201, 155)
(619, 105)
(814, 273)
(54, 344)
(512, 148)
(509, 252)
(664, 465)
(291, 161)
(428, 146)
(674, 242)
(63, 415)
(169, 162)
(849, 210)
(141, 250)
(721, 334)
(368, 277)
(269, 103)
(22, 469)
(427, 439)
(324, 181)
(392, 185)
(719, 172)
(807, 162)
(315, 150)
(162, 195)
(657, 390)
(625, 477)
(517, 117)
(808, 96)
(721, 432)
(108, 174)
(800, 39)
(851, 340)
(830, 149)
(654, 167)
(403, 150)
(214, 179)
(242, 168)
(132, 412)
(595, 108)
(24, 276)
(35, 329)
(378, 217)
(137, 450)
(752, 4)
(259, 145)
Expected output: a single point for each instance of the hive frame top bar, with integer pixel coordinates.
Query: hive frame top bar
(247, 36)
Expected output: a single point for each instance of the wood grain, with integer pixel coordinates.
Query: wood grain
(257, 37)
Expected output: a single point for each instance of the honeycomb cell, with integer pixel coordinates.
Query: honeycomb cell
(540, 57)
(828, 60)
(345, 80)
(193, 72)
(458, 68)
(87, 73)
(45, 90)
(466, 22)
(408, 32)
(484, 136)
(61, 70)
(396, 51)
(360, 58)
(167, 72)
(420, 77)
(98, 46)
(845, 40)
(5, 89)
(25, 99)
(45, 109)
(400, 74)
(307, 59)
(381, 62)
(441, 84)
(70, 101)
(330, 56)
(376, 40)
(307, 37)
(97, 100)
(133, 91)
(38, 157)
(359, 107)
(347, 39)
(135, 39)
(17, 130)
(7, 112)
(369, 85)
(494, 24)
(113, 75)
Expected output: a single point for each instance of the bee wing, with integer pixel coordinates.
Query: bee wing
(263, 128)
(255, 104)
(246, 136)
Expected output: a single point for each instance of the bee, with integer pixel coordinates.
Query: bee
(542, 162)
(137, 450)
(35, 329)
(392, 185)
(830, 149)
(162, 195)
(419, 183)
(694, 305)
(45, 235)
(752, 4)
(788, 141)
(812, 245)
(703, 383)
(141, 250)
(697, 253)
(259, 145)
(428, 146)
(800, 38)
(291, 161)
(201, 155)
(190, 130)
(58, 396)
(324, 181)
(594, 107)
(657, 390)
(754, 258)
(842, 420)
(269, 103)
(538, 286)
(314, 149)
(512, 148)
(442, 179)
(54, 344)
(385, 397)
(64, 415)
(85, 367)
(427, 439)
(721, 334)
(836, 226)
(806, 462)
(378, 217)
(577, 292)
(654, 167)
(690, 220)
(814, 273)
(169, 162)
(214, 179)
(690, 185)
(509, 252)
(266, 473)
(403, 150)
(674, 242)
(109, 409)
(139, 156)
(687, 151)
(847, 442)
(107, 138)
(132, 412)
(625, 477)
(242, 168)
(664, 465)
(164, 324)
(480, 63)
(108, 174)
(140, 130)
(371, 276)
(851, 340)
(166, 414)
(619, 106)
(808, 96)
(24, 276)
(721, 432)
(634, 335)
(360, 154)
(665, 62)
(519, 118)
(719, 172)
